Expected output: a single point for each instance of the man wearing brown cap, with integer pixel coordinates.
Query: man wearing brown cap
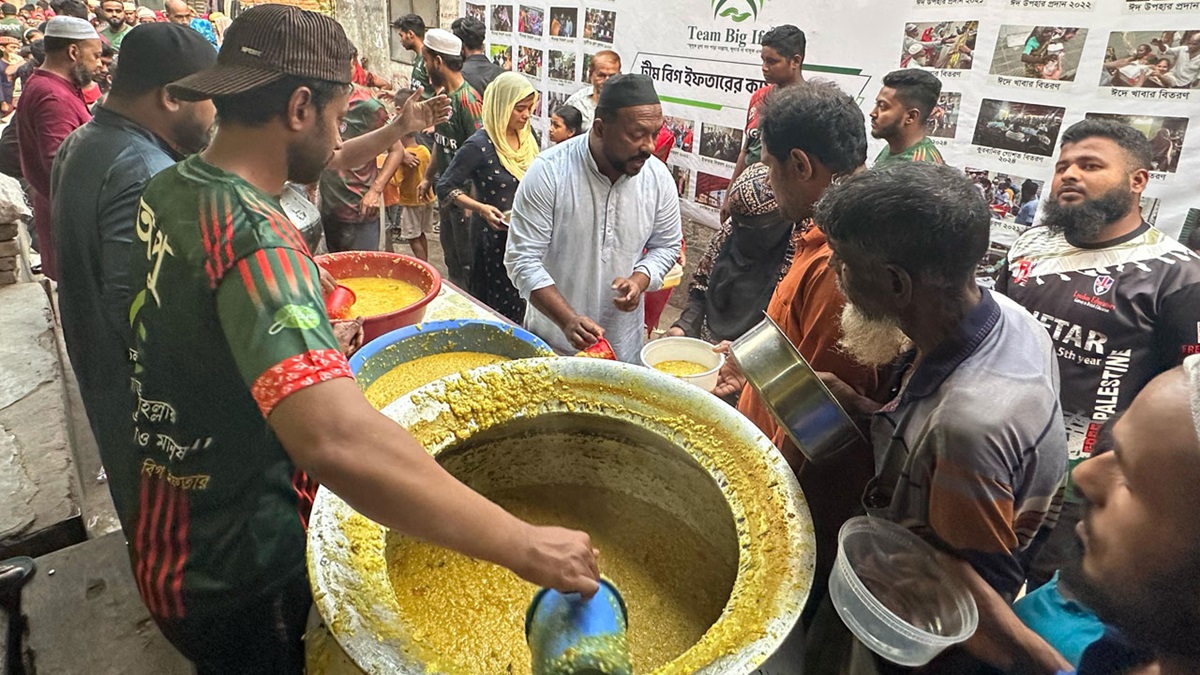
(97, 179)
(241, 399)
(595, 225)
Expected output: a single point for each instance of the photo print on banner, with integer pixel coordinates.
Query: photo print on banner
(1152, 60)
(720, 143)
(711, 190)
(1018, 127)
(1011, 197)
(530, 20)
(502, 56)
(585, 73)
(530, 61)
(943, 123)
(474, 11)
(555, 100)
(682, 176)
(562, 66)
(600, 25)
(564, 22)
(946, 45)
(502, 19)
(683, 131)
(1164, 133)
(1038, 52)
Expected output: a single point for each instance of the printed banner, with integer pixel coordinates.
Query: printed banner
(1015, 73)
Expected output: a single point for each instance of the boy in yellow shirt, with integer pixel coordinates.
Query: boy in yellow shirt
(410, 217)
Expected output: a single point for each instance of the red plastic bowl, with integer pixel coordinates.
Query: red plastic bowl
(389, 266)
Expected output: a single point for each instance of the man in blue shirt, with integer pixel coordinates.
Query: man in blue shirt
(96, 182)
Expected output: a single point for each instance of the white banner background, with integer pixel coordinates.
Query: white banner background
(856, 42)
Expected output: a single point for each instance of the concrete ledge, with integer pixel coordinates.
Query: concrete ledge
(87, 616)
(39, 504)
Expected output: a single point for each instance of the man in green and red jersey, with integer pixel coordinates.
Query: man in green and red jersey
(242, 399)
(905, 101)
(782, 61)
(444, 61)
(350, 197)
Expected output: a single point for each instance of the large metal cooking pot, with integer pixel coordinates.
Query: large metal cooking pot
(556, 421)
(797, 398)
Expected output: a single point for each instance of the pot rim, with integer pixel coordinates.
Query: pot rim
(775, 534)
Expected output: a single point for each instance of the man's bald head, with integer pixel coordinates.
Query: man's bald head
(178, 12)
(1141, 567)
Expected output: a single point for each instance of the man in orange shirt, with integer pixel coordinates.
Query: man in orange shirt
(813, 135)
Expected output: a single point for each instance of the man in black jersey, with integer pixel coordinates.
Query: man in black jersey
(1120, 299)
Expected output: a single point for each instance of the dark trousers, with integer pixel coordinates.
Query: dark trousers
(265, 637)
(343, 236)
(455, 235)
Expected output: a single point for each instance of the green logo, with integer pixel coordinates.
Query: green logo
(295, 316)
(729, 9)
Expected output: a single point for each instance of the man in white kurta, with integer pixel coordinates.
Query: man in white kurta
(595, 225)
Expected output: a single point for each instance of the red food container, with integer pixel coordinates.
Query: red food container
(389, 266)
(601, 350)
(339, 301)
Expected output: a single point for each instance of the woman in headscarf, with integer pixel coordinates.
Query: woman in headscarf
(494, 159)
(745, 261)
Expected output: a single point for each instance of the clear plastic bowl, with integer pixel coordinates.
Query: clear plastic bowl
(892, 593)
(686, 349)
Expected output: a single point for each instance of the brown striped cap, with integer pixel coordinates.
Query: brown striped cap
(266, 43)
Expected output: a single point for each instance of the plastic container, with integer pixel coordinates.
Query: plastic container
(349, 264)
(686, 349)
(568, 635)
(439, 337)
(339, 301)
(892, 593)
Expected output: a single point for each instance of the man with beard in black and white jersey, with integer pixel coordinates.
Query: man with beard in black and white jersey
(1120, 299)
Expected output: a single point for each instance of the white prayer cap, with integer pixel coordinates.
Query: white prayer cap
(443, 42)
(70, 28)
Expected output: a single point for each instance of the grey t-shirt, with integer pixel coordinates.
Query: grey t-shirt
(972, 453)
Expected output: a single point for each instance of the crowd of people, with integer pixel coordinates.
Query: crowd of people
(1003, 426)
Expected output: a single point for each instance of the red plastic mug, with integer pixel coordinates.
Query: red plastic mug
(339, 301)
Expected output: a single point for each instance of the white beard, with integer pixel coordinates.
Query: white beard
(870, 341)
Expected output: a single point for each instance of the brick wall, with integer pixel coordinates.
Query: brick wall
(9, 249)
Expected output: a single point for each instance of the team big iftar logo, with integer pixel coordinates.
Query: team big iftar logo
(737, 10)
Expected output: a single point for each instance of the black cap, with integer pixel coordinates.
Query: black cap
(156, 54)
(267, 43)
(626, 91)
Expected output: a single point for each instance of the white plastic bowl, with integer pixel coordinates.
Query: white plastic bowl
(686, 349)
(893, 594)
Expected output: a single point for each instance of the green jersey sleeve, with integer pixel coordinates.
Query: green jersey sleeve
(273, 316)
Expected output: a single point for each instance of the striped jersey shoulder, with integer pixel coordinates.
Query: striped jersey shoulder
(471, 101)
(236, 220)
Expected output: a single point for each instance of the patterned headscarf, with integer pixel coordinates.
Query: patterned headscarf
(501, 97)
(751, 200)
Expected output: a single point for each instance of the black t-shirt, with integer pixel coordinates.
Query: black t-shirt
(1119, 313)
